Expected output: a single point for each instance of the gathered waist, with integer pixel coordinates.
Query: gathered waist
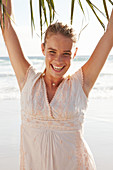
(65, 125)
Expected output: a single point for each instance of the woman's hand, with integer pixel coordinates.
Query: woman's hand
(7, 13)
(8, 7)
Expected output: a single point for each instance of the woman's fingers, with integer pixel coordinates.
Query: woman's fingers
(4, 18)
(7, 4)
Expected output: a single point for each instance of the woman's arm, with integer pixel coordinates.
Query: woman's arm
(18, 61)
(94, 65)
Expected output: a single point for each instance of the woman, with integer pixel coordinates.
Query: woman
(53, 105)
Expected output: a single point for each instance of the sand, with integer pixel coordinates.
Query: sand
(98, 132)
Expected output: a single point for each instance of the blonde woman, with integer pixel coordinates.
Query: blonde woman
(53, 105)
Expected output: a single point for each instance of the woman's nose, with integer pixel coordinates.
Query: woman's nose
(59, 57)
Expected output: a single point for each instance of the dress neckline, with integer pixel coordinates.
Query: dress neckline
(55, 94)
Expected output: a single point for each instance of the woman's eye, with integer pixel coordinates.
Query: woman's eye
(52, 52)
(66, 54)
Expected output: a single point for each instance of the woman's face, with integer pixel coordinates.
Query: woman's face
(58, 53)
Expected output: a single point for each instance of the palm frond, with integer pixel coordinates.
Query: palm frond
(72, 9)
(111, 2)
(2, 8)
(0, 2)
(50, 11)
(105, 8)
(53, 7)
(40, 13)
(82, 28)
(80, 4)
(96, 8)
(32, 17)
(44, 11)
(92, 6)
(4, 12)
(3, 15)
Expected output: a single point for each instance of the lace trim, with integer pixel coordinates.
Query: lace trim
(82, 82)
(22, 154)
(83, 158)
(82, 78)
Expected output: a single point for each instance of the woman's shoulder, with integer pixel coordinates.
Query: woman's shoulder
(77, 76)
(32, 74)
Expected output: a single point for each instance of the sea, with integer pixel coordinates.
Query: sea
(9, 89)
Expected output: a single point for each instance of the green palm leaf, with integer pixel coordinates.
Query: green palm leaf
(4, 12)
(32, 17)
(44, 11)
(50, 11)
(40, 13)
(72, 9)
(92, 6)
(110, 2)
(105, 7)
(96, 8)
(53, 7)
(79, 1)
(1, 8)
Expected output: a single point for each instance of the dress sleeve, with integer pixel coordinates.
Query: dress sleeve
(29, 77)
(77, 79)
(79, 75)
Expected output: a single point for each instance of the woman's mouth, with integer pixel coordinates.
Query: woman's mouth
(57, 68)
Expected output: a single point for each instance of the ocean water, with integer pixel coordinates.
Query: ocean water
(9, 89)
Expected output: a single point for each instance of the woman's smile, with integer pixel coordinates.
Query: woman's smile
(58, 52)
(57, 68)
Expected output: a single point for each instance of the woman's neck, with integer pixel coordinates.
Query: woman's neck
(52, 82)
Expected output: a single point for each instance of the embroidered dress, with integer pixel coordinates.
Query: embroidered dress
(51, 133)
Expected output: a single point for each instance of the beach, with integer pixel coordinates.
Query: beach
(98, 122)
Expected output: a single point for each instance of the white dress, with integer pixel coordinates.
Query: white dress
(51, 133)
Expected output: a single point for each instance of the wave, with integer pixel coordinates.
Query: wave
(4, 59)
(106, 74)
(77, 58)
(30, 57)
(6, 75)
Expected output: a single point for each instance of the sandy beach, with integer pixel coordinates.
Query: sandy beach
(98, 132)
(9, 134)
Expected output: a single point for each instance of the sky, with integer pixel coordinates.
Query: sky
(31, 45)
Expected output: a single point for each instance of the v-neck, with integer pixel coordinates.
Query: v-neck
(45, 89)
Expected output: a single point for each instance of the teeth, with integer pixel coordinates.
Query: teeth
(57, 68)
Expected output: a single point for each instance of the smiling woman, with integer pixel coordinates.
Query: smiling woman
(52, 104)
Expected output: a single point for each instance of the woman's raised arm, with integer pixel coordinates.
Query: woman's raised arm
(18, 61)
(93, 66)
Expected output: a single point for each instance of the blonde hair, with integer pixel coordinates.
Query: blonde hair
(62, 29)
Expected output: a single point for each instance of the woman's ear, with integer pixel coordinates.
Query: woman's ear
(75, 52)
(43, 48)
